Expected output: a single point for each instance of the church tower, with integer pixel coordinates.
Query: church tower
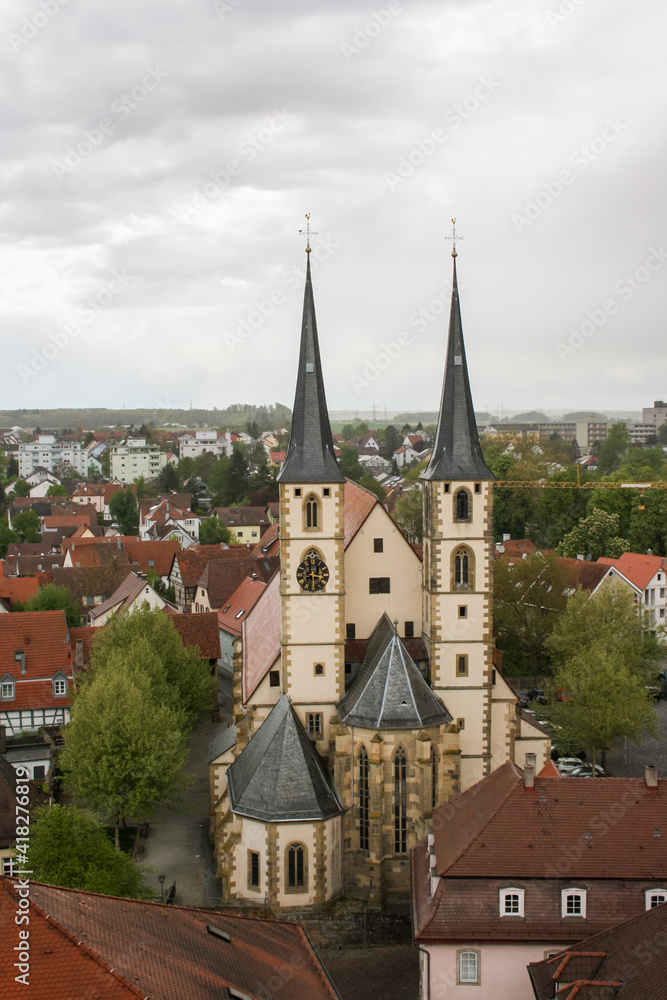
(457, 566)
(312, 584)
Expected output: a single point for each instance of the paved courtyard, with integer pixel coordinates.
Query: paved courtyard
(177, 842)
(627, 760)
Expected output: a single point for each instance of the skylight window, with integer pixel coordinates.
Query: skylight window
(240, 613)
(218, 933)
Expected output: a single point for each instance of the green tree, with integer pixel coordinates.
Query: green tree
(167, 479)
(408, 513)
(160, 587)
(559, 510)
(26, 526)
(648, 523)
(237, 481)
(212, 531)
(143, 487)
(54, 598)
(597, 535)
(88, 438)
(596, 699)
(528, 596)
(124, 511)
(123, 749)
(614, 449)
(56, 490)
(21, 488)
(370, 483)
(662, 437)
(147, 642)
(7, 536)
(63, 470)
(392, 441)
(13, 468)
(105, 462)
(348, 432)
(69, 847)
(607, 620)
(349, 463)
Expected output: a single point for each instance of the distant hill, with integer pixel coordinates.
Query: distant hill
(581, 415)
(234, 417)
(532, 417)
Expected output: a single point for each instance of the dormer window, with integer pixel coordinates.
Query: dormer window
(655, 897)
(573, 902)
(511, 902)
(59, 685)
(7, 688)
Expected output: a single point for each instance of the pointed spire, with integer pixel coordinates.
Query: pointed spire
(457, 453)
(310, 452)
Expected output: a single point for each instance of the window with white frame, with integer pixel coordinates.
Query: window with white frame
(59, 687)
(468, 967)
(511, 902)
(655, 897)
(9, 866)
(573, 902)
(7, 688)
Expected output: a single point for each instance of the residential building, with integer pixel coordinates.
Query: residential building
(192, 446)
(11, 810)
(626, 962)
(231, 617)
(655, 415)
(187, 568)
(133, 593)
(134, 458)
(93, 585)
(36, 672)
(46, 452)
(246, 524)
(523, 866)
(642, 434)
(221, 577)
(84, 944)
(333, 774)
(585, 433)
(646, 576)
(166, 520)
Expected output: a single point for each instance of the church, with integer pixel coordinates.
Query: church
(366, 684)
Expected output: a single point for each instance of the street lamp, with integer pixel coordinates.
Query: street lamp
(161, 879)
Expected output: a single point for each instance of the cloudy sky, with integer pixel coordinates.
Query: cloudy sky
(158, 158)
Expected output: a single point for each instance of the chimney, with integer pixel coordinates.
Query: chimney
(78, 655)
(506, 538)
(651, 775)
(529, 771)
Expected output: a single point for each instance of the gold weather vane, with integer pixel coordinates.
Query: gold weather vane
(454, 238)
(307, 233)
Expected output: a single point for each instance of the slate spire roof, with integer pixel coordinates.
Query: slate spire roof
(456, 453)
(279, 776)
(310, 452)
(389, 692)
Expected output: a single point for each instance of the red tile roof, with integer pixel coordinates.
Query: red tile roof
(42, 636)
(160, 553)
(200, 631)
(241, 516)
(232, 615)
(269, 544)
(549, 771)
(261, 638)
(156, 951)
(221, 577)
(191, 562)
(68, 520)
(523, 830)
(17, 588)
(358, 505)
(639, 569)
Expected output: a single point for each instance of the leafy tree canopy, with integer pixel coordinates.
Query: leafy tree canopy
(123, 509)
(370, 483)
(123, 749)
(26, 526)
(7, 536)
(349, 463)
(212, 531)
(56, 490)
(614, 449)
(598, 535)
(54, 598)
(21, 488)
(69, 847)
(408, 513)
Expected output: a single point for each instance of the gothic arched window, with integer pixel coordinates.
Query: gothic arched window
(312, 511)
(296, 867)
(463, 505)
(463, 569)
(363, 800)
(400, 802)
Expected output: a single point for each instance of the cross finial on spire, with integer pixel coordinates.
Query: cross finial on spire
(307, 232)
(454, 238)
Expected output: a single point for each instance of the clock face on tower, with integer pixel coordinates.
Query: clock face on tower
(312, 574)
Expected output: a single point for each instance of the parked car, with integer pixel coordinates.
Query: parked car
(566, 765)
(586, 771)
